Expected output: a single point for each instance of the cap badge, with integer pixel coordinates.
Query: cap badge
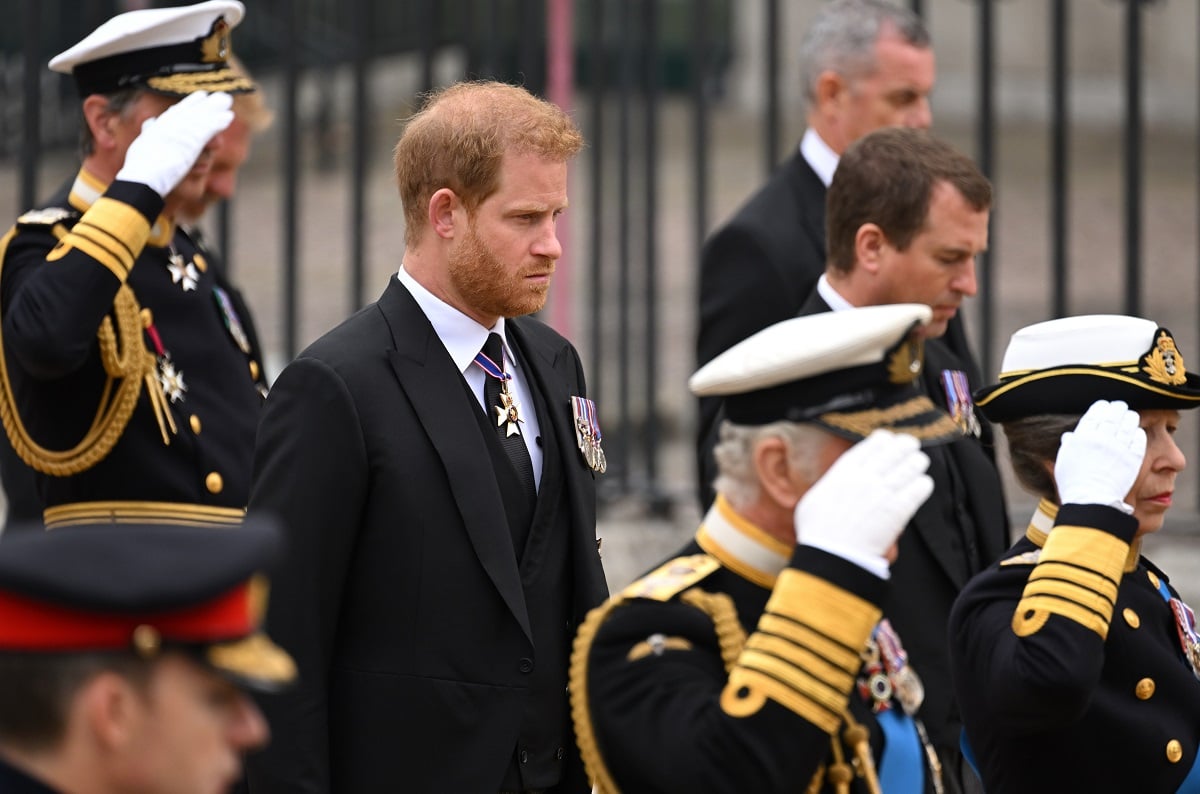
(904, 364)
(215, 47)
(587, 433)
(1163, 363)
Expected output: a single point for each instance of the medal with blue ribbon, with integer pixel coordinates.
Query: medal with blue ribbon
(958, 400)
(508, 409)
(587, 433)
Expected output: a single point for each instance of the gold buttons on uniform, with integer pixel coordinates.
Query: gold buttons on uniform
(200, 262)
(1153, 579)
(194, 421)
(1131, 618)
(1174, 751)
(214, 483)
(254, 370)
(1144, 689)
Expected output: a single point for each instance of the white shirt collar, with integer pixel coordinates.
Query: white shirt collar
(462, 336)
(831, 296)
(818, 154)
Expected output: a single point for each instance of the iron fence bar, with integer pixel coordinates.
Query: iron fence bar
(1132, 160)
(657, 501)
(772, 83)
(700, 122)
(360, 26)
(596, 56)
(430, 38)
(31, 89)
(624, 151)
(985, 157)
(291, 181)
(1059, 220)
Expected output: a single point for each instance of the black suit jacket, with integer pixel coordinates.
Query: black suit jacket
(937, 556)
(401, 597)
(757, 270)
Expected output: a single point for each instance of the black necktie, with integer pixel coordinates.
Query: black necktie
(498, 397)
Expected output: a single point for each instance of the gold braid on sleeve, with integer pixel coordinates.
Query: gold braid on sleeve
(125, 358)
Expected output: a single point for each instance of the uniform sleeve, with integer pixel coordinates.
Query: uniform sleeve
(56, 292)
(676, 702)
(1028, 641)
(310, 473)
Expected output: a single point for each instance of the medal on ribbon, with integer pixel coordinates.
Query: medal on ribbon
(887, 673)
(587, 433)
(958, 401)
(509, 409)
(1189, 641)
(233, 323)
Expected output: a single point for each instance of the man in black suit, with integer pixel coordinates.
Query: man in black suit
(866, 64)
(432, 460)
(907, 215)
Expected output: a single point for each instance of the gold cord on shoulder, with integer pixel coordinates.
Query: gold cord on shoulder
(719, 607)
(125, 358)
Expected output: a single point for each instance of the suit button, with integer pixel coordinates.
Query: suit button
(1144, 689)
(254, 370)
(524, 757)
(1131, 618)
(559, 753)
(1174, 751)
(526, 665)
(194, 421)
(213, 482)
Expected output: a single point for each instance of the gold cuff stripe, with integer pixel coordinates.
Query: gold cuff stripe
(113, 247)
(802, 659)
(120, 220)
(142, 512)
(1088, 548)
(100, 254)
(1089, 581)
(827, 608)
(835, 653)
(1035, 611)
(811, 701)
(1069, 592)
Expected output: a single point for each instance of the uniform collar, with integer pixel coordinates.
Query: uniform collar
(1043, 521)
(87, 189)
(741, 546)
(462, 336)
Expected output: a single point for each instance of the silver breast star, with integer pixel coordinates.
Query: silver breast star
(184, 272)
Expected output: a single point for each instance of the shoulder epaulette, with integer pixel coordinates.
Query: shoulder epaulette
(48, 216)
(672, 578)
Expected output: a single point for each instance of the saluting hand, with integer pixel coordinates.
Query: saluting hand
(1099, 460)
(169, 145)
(859, 507)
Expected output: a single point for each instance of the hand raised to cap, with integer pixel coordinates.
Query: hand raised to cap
(169, 145)
(1100, 459)
(860, 506)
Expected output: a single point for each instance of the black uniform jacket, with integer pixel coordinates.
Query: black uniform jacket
(758, 269)
(732, 668)
(62, 268)
(961, 528)
(400, 596)
(1069, 666)
(14, 781)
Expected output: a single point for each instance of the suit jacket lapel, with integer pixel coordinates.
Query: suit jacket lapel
(433, 385)
(810, 194)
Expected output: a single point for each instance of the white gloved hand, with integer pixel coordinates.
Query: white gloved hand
(860, 506)
(1100, 459)
(169, 145)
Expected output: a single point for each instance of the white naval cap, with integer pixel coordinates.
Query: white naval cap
(849, 371)
(172, 51)
(1062, 366)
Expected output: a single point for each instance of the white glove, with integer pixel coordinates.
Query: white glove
(169, 145)
(1100, 459)
(860, 506)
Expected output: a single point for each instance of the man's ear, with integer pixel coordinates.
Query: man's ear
(829, 89)
(100, 120)
(770, 456)
(869, 242)
(443, 212)
(109, 705)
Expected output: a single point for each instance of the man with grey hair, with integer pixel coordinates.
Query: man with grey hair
(866, 64)
(756, 658)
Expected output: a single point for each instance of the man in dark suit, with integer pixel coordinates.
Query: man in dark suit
(865, 64)
(907, 215)
(433, 462)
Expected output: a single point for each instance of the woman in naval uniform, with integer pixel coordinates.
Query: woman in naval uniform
(1075, 661)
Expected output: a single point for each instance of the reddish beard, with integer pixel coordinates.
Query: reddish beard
(489, 286)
